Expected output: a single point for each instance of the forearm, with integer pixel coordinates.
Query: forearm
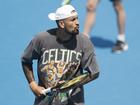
(28, 71)
(90, 78)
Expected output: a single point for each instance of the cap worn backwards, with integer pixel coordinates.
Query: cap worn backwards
(63, 12)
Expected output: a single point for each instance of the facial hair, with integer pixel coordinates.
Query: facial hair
(73, 31)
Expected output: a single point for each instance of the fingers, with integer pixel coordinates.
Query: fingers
(45, 91)
(62, 81)
(37, 90)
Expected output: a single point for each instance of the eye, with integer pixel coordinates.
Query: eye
(75, 18)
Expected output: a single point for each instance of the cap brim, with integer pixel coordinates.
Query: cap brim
(52, 16)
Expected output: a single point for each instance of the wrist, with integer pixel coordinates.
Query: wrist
(33, 84)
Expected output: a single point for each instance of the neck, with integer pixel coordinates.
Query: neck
(62, 35)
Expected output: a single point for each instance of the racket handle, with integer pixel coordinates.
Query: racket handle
(45, 91)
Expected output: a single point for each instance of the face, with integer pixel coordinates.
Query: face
(71, 25)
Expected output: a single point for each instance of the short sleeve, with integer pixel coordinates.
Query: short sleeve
(32, 51)
(89, 62)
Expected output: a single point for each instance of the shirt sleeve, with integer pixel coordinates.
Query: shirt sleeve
(32, 51)
(89, 62)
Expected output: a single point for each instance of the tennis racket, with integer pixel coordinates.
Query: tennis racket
(70, 84)
(65, 2)
(51, 92)
(67, 84)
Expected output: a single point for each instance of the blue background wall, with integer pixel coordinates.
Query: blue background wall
(119, 81)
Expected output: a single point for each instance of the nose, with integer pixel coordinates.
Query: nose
(77, 21)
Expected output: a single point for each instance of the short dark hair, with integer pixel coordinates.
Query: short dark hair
(57, 22)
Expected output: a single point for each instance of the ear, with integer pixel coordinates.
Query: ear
(61, 24)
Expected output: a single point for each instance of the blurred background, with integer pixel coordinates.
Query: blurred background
(119, 81)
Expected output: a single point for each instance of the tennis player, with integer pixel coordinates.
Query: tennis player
(59, 51)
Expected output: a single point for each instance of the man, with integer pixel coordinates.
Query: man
(60, 51)
(121, 44)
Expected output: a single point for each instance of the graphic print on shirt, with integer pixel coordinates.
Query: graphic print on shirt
(57, 62)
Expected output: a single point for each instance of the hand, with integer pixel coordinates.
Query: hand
(37, 90)
(61, 82)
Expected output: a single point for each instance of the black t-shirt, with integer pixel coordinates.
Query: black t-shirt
(55, 58)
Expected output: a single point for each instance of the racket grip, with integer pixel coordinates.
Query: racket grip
(45, 91)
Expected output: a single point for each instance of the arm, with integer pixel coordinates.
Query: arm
(89, 62)
(31, 53)
(92, 68)
(90, 78)
(28, 71)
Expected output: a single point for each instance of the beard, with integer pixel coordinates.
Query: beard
(73, 31)
(76, 31)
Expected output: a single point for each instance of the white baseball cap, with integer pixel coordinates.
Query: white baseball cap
(63, 12)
